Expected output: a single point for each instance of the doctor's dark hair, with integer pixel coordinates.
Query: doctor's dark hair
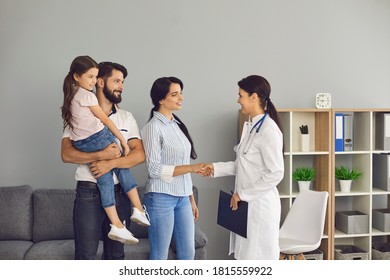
(158, 92)
(79, 66)
(260, 86)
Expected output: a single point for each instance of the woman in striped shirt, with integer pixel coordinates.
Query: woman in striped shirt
(168, 149)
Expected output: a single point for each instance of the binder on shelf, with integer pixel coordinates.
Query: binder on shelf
(235, 221)
(339, 132)
(383, 131)
(381, 171)
(348, 132)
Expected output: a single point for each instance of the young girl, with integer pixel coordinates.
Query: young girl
(91, 131)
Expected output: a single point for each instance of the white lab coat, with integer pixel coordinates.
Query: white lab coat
(258, 172)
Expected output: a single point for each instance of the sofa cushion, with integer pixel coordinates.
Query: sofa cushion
(52, 250)
(16, 220)
(53, 214)
(56, 250)
(14, 249)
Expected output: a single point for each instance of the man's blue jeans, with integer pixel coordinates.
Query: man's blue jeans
(91, 224)
(98, 142)
(170, 216)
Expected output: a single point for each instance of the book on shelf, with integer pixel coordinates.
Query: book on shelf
(382, 131)
(339, 132)
(381, 171)
(348, 132)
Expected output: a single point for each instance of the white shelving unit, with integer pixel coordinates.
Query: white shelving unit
(318, 157)
(364, 197)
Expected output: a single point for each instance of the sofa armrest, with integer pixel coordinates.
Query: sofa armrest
(200, 238)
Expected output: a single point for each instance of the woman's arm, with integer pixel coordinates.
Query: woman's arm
(190, 168)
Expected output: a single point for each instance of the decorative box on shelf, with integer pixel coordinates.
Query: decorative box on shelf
(314, 255)
(381, 251)
(381, 219)
(352, 222)
(349, 252)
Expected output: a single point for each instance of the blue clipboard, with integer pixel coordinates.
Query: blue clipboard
(235, 221)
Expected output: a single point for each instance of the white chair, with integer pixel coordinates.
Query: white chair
(303, 227)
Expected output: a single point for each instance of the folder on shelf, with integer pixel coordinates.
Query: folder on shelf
(339, 132)
(383, 131)
(348, 132)
(381, 171)
(235, 221)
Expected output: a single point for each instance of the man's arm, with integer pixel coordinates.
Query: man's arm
(70, 154)
(135, 157)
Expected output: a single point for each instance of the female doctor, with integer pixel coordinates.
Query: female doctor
(258, 169)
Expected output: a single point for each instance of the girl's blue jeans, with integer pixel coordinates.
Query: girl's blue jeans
(98, 142)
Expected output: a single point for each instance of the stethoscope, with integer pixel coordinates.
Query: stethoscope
(256, 126)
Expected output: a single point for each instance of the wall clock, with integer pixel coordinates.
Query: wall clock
(323, 100)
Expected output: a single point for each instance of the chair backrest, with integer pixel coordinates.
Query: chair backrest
(306, 218)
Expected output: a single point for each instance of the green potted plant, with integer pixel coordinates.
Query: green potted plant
(346, 176)
(304, 176)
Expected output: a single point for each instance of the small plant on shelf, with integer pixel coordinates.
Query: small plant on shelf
(346, 176)
(344, 173)
(303, 174)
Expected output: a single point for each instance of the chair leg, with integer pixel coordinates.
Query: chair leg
(301, 256)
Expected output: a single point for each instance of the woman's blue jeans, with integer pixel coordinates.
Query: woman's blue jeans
(97, 142)
(170, 216)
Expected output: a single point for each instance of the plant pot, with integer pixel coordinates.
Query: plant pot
(345, 185)
(305, 142)
(304, 185)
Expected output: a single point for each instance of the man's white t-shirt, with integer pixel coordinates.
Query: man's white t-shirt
(126, 124)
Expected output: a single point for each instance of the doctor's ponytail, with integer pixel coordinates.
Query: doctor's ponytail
(260, 86)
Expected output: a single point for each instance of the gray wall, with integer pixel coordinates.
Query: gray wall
(302, 47)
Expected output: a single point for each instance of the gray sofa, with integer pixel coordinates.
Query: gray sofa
(37, 225)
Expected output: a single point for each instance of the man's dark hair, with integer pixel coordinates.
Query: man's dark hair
(106, 67)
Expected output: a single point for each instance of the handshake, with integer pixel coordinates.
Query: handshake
(203, 169)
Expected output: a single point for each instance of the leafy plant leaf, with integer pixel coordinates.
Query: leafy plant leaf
(344, 173)
(303, 174)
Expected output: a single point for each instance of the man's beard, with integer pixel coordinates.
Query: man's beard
(111, 96)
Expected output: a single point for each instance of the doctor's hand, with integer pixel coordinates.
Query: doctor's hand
(234, 201)
(207, 170)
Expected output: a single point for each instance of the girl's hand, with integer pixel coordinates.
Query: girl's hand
(126, 149)
(110, 152)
